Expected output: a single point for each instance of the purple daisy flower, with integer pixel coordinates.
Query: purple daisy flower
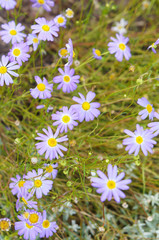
(8, 5)
(153, 46)
(19, 53)
(12, 32)
(148, 111)
(50, 170)
(27, 230)
(97, 54)
(60, 20)
(34, 218)
(154, 126)
(6, 69)
(43, 89)
(46, 29)
(85, 109)
(48, 228)
(33, 39)
(119, 47)
(140, 138)
(46, 4)
(17, 185)
(68, 80)
(71, 54)
(50, 144)
(65, 119)
(39, 183)
(112, 185)
(24, 201)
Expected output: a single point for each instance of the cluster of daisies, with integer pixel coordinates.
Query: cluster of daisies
(141, 138)
(31, 221)
(11, 32)
(35, 184)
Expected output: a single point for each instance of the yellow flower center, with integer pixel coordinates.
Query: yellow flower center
(66, 79)
(49, 169)
(74, 54)
(29, 226)
(63, 52)
(69, 13)
(16, 52)
(23, 199)
(122, 46)
(35, 40)
(41, 87)
(65, 119)
(60, 20)
(21, 183)
(4, 225)
(139, 139)
(37, 183)
(86, 106)
(13, 32)
(26, 215)
(41, 1)
(98, 52)
(146, 4)
(111, 184)
(46, 224)
(33, 218)
(52, 142)
(3, 70)
(149, 108)
(46, 28)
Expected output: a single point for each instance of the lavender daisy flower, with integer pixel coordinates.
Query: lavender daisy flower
(85, 109)
(60, 20)
(24, 201)
(97, 54)
(46, 29)
(19, 53)
(12, 32)
(148, 111)
(34, 218)
(63, 53)
(65, 119)
(140, 138)
(153, 46)
(119, 47)
(112, 185)
(154, 126)
(48, 228)
(68, 80)
(50, 144)
(6, 69)
(69, 13)
(8, 5)
(32, 39)
(43, 89)
(17, 185)
(39, 183)
(46, 4)
(71, 54)
(5, 224)
(27, 230)
(50, 170)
